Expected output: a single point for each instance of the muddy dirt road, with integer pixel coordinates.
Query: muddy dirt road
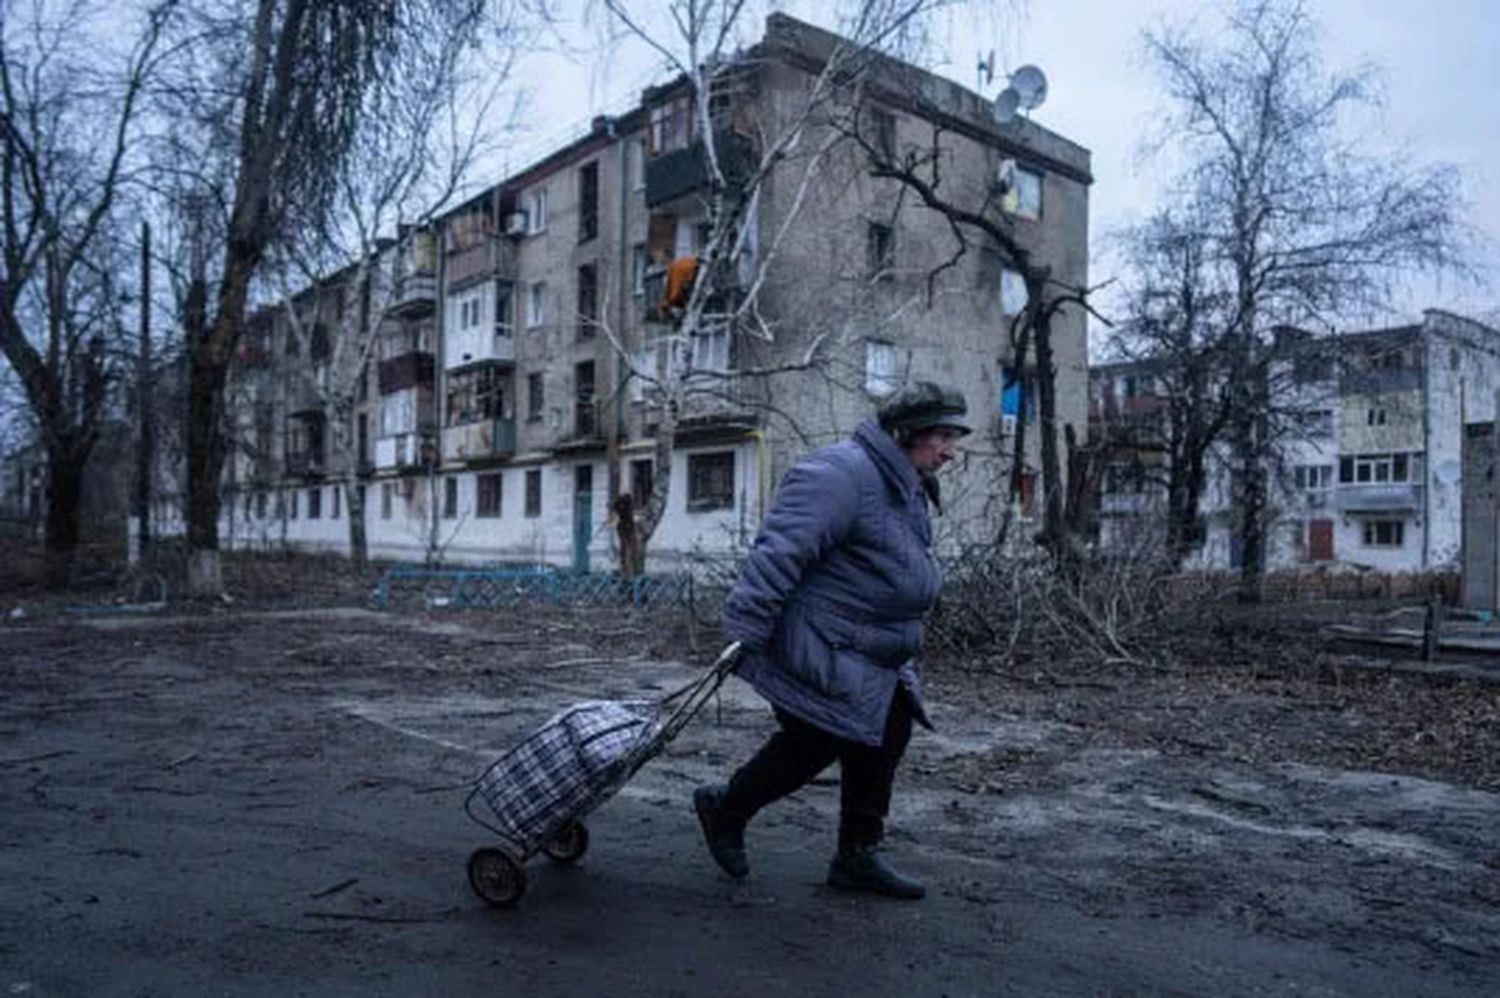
(259, 803)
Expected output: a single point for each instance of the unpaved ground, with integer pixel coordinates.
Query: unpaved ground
(269, 803)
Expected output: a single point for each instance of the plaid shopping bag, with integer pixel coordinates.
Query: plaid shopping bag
(558, 770)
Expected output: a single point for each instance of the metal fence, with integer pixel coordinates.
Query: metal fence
(408, 586)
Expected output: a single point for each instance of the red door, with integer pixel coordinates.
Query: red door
(1320, 540)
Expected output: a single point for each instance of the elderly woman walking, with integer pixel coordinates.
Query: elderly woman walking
(830, 609)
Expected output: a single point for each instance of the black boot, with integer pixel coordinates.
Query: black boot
(863, 868)
(725, 838)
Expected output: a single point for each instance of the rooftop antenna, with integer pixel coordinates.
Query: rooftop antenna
(986, 71)
(1026, 91)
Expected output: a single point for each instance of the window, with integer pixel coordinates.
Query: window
(588, 300)
(504, 320)
(1313, 477)
(640, 482)
(1384, 533)
(1375, 417)
(880, 367)
(536, 211)
(260, 505)
(487, 501)
(643, 367)
(386, 492)
(315, 504)
(398, 413)
(1024, 199)
(535, 397)
(671, 125)
(588, 201)
(1012, 292)
(536, 304)
(337, 494)
(710, 481)
(586, 413)
(880, 250)
(1361, 469)
(450, 497)
(882, 134)
(291, 504)
(533, 493)
(639, 262)
(704, 351)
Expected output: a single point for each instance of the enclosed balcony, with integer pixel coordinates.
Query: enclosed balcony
(416, 295)
(485, 440)
(406, 370)
(674, 174)
(403, 451)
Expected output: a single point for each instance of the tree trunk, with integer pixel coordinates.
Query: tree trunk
(64, 492)
(1252, 525)
(359, 545)
(205, 460)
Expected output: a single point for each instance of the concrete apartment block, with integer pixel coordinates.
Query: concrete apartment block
(1373, 474)
(514, 390)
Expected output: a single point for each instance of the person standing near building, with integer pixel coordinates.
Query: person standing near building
(829, 609)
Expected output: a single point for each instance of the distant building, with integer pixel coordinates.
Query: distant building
(1371, 475)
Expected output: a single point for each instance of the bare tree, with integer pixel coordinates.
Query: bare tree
(70, 114)
(279, 98)
(1175, 330)
(979, 221)
(429, 122)
(1299, 225)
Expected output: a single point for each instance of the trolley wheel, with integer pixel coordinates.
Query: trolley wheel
(496, 877)
(569, 844)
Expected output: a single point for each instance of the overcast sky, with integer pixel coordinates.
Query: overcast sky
(1439, 58)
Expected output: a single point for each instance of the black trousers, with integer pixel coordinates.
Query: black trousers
(800, 751)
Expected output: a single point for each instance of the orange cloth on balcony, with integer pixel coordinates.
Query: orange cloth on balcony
(680, 274)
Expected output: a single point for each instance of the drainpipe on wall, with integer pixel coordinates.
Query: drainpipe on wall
(1428, 469)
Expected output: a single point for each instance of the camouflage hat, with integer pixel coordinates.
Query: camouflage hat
(924, 405)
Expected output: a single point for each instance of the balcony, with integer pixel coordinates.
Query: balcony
(723, 293)
(416, 295)
(407, 370)
(465, 348)
(587, 431)
(1383, 498)
(490, 257)
(492, 438)
(305, 464)
(404, 450)
(671, 175)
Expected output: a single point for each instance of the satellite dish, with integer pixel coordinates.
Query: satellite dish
(1030, 84)
(1007, 104)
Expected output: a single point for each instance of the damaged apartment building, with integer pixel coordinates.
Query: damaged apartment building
(1368, 465)
(515, 382)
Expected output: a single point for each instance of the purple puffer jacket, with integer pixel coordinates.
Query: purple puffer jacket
(832, 598)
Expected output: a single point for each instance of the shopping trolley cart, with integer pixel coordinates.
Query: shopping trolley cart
(538, 793)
